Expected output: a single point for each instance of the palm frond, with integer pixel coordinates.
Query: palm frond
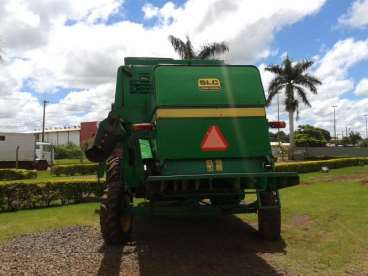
(273, 93)
(305, 82)
(302, 95)
(311, 79)
(303, 65)
(189, 52)
(212, 49)
(275, 68)
(288, 66)
(178, 45)
(276, 82)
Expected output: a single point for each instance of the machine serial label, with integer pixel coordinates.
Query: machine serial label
(209, 84)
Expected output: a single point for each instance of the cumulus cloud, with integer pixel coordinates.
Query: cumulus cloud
(362, 88)
(333, 69)
(356, 16)
(67, 44)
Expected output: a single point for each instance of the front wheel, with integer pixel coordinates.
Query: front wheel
(116, 219)
(269, 219)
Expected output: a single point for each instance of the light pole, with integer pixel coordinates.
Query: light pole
(43, 121)
(334, 118)
(366, 126)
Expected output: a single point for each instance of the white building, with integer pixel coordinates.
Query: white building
(60, 136)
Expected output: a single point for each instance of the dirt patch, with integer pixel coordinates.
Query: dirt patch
(361, 177)
(203, 246)
(301, 220)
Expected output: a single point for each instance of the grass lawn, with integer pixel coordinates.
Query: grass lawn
(72, 161)
(325, 223)
(46, 176)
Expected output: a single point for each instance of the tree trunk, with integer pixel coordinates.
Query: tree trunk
(291, 135)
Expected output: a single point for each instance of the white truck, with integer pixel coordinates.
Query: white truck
(21, 150)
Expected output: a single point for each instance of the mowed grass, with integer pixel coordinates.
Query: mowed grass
(324, 223)
(43, 176)
(72, 161)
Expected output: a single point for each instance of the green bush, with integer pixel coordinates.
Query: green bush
(17, 195)
(314, 166)
(13, 174)
(69, 151)
(81, 169)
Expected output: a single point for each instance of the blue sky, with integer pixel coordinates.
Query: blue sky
(70, 50)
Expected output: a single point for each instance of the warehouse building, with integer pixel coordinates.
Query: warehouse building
(60, 136)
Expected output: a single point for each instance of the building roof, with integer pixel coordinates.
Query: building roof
(56, 130)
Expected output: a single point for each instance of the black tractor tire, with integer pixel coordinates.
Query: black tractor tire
(269, 220)
(116, 220)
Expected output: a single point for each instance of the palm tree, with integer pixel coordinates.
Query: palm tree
(186, 50)
(292, 79)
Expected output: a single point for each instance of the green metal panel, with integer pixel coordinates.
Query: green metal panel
(229, 165)
(156, 61)
(134, 93)
(145, 148)
(180, 138)
(178, 86)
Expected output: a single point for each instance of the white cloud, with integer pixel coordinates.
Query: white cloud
(150, 11)
(333, 70)
(85, 54)
(356, 16)
(362, 88)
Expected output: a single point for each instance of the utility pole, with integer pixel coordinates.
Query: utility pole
(278, 117)
(43, 121)
(366, 126)
(334, 118)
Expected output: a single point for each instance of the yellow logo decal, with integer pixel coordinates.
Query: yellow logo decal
(209, 84)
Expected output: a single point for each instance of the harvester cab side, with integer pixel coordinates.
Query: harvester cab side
(188, 136)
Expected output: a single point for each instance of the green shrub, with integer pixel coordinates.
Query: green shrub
(314, 166)
(13, 174)
(81, 169)
(69, 151)
(17, 195)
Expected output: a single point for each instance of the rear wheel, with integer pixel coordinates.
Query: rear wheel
(116, 219)
(269, 219)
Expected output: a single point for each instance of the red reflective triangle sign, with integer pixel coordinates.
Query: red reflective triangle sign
(214, 140)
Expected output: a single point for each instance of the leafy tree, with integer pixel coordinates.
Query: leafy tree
(282, 137)
(186, 50)
(364, 143)
(292, 79)
(352, 139)
(310, 136)
(69, 151)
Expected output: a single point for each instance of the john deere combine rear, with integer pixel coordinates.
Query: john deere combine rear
(188, 137)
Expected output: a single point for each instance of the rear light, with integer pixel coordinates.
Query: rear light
(142, 127)
(277, 124)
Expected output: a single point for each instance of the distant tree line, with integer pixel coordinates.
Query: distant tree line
(310, 136)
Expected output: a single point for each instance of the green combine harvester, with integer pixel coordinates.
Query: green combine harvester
(190, 137)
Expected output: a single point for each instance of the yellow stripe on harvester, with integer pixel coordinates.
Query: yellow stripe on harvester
(210, 112)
